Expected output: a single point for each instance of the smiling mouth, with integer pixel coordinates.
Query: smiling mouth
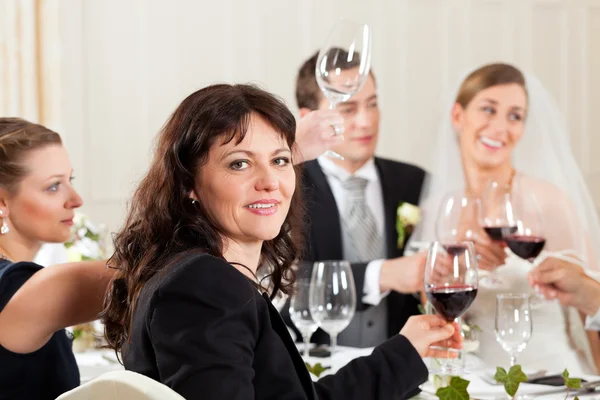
(494, 144)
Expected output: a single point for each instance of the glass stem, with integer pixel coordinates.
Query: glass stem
(513, 359)
(306, 339)
(333, 343)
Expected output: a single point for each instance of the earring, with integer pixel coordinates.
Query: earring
(194, 202)
(4, 229)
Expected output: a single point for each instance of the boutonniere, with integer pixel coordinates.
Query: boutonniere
(407, 217)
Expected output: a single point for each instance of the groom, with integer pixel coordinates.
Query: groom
(352, 206)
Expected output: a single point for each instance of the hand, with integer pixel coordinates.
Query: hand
(315, 134)
(423, 331)
(403, 274)
(490, 254)
(567, 282)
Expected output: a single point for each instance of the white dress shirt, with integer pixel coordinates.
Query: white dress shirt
(374, 198)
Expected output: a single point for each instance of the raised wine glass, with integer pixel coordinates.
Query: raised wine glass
(451, 287)
(343, 64)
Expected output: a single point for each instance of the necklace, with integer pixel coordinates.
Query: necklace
(2, 256)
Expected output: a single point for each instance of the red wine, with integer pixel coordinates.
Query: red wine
(455, 249)
(527, 247)
(451, 301)
(499, 233)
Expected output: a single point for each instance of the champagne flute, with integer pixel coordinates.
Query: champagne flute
(343, 64)
(300, 312)
(451, 287)
(513, 323)
(332, 297)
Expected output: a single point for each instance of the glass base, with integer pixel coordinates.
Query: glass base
(452, 365)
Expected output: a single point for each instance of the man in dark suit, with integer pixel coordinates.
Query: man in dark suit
(352, 207)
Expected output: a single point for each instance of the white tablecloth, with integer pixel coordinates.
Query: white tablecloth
(96, 362)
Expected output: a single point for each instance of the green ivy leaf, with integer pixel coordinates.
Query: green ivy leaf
(317, 369)
(457, 390)
(501, 375)
(571, 383)
(512, 379)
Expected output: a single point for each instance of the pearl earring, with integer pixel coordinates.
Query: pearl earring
(4, 229)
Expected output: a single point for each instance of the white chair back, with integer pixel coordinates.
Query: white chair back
(121, 385)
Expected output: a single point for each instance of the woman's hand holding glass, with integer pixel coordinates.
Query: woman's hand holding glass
(425, 331)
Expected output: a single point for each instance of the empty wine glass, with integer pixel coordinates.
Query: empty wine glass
(513, 323)
(300, 312)
(343, 64)
(332, 297)
(451, 287)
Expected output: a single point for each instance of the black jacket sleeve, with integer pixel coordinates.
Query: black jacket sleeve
(393, 371)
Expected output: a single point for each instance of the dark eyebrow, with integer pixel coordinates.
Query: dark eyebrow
(250, 154)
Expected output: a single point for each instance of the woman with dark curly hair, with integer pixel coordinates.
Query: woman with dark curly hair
(185, 307)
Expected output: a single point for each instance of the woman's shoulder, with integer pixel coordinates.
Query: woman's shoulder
(13, 276)
(202, 275)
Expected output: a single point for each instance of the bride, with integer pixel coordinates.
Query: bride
(504, 127)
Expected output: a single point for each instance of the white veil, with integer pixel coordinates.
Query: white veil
(543, 152)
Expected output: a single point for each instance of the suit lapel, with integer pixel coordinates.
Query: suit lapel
(391, 196)
(281, 329)
(325, 226)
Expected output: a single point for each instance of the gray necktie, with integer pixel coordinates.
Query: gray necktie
(360, 233)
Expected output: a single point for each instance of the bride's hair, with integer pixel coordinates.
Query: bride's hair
(486, 77)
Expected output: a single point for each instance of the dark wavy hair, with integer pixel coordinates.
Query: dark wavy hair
(164, 225)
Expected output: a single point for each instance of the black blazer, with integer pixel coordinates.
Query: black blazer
(399, 183)
(203, 329)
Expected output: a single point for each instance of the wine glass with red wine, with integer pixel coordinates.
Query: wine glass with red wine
(459, 217)
(451, 286)
(499, 219)
(527, 239)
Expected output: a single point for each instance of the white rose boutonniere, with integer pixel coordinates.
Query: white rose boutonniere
(407, 217)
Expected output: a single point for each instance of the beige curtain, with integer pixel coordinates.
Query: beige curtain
(29, 60)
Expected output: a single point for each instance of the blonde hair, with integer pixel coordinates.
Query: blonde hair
(486, 77)
(17, 138)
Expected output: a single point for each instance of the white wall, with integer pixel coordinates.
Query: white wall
(128, 63)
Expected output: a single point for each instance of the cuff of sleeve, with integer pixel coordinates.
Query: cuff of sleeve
(371, 290)
(592, 323)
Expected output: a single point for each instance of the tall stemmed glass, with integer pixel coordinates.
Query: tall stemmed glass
(499, 219)
(459, 218)
(300, 311)
(332, 297)
(513, 323)
(343, 64)
(451, 286)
